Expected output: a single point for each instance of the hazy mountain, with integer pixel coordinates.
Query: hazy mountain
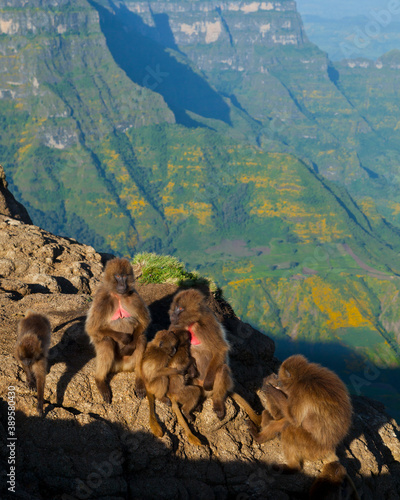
(352, 29)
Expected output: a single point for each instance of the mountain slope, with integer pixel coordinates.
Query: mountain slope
(294, 99)
(62, 95)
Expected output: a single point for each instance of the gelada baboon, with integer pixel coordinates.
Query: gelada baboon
(167, 369)
(33, 342)
(181, 391)
(116, 322)
(310, 407)
(156, 371)
(209, 347)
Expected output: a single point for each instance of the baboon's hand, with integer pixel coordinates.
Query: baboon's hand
(272, 379)
(270, 389)
(126, 338)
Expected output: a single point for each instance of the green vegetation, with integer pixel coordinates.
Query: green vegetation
(167, 269)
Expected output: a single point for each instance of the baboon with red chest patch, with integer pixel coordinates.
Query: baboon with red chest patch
(116, 324)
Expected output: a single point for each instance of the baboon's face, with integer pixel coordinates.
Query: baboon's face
(186, 307)
(119, 276)
(166, 341)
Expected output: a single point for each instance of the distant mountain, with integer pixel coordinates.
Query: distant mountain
(285, 94)
(339, 9)
(362, 28)
(350, 37)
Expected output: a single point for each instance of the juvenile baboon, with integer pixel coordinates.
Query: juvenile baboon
(183, 356)
(156, 371)
(167, 368)
(32, 348)
(116, 322)
(181, 391)
(310, 407)
(209, 347)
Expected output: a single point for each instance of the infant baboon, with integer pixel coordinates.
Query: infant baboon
(32, 348)
(155, 371)
(167, 368)
(180, 389)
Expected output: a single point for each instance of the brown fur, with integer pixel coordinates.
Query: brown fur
(155, 362)
(167, 368)
(313, 411)
(156, 371)
(119, 343)
(180, 389)
(189, 310)
(333, 484)
(32, 348)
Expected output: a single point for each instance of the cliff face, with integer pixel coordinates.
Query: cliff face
(84, 448)
(63, 99)
(224, 34)
(8, 204)
(50, 43)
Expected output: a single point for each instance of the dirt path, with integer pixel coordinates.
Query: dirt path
(374, 273)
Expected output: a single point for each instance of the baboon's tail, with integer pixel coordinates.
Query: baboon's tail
(254, 417)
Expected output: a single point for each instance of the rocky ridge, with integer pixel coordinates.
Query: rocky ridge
(84, 448)
(230, 29)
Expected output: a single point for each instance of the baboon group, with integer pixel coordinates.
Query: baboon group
(308, 406)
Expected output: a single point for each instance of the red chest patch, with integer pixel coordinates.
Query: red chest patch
(193, 339)
(120, 313)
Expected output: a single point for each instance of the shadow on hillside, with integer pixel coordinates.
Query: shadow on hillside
(70, 459)
(362, 377)
(150, 64)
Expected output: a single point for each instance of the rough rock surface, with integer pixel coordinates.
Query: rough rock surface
(33, 260)
(84, 448)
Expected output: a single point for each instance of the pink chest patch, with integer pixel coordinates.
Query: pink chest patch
(193, 339)
(120, 313)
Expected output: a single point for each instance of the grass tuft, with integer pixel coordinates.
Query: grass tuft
(167, 269)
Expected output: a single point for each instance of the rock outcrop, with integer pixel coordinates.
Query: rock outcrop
(84, 448)
(8, 204)
(33, 260)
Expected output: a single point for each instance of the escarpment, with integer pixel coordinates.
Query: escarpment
(85, 448)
